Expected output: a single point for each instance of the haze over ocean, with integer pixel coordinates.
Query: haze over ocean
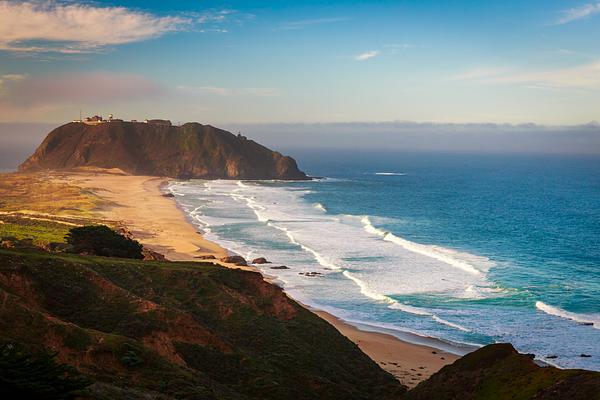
(470, 249)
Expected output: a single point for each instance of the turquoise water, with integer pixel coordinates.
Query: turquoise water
(469, 249)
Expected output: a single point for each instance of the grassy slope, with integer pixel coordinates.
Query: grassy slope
(498, 372)
(46, 193)
(187, 330)
(42, 207)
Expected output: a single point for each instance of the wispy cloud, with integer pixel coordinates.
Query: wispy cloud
(223, 91)
(478, 74)
(366, 55)
(386, 50)
(214, 20)
(585, 76)
(576, 13)
(399, 45)
(71, 28)
(12, 77)
(292, 25)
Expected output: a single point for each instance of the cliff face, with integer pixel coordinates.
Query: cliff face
(188, 151)
(168, 330)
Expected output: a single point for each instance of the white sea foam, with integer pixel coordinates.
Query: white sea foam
(409, 309)
(450, 324)
(394, 304)
(321, 207)
(593, 319)
(390, 173)
(335, 242)
(448, 256)
(320, 259)
(365, 290)
(419, 311)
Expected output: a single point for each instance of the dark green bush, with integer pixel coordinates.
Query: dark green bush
(28, 376)
(100, 240)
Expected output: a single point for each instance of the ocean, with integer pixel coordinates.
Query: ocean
(452, 250)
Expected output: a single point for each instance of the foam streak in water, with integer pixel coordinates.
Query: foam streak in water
(435, 252)
(587, 319)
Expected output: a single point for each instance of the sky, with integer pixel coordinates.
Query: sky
(258, 62)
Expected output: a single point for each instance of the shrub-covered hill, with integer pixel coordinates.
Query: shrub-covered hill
(499, 372)
(191, 150)
(178, 330)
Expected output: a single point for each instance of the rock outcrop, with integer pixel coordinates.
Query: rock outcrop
(188, 151)
(236, 260)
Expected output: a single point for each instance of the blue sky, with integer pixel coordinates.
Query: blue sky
(302, 61)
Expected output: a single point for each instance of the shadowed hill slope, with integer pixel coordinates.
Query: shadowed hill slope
(191, 150)
(499, 372)
(179, 330)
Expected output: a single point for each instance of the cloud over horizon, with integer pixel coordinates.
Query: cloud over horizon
(428, 136)
(223, 91)
(584, 76)
(21, 91)
(72, 28)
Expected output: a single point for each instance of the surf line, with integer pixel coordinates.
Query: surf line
(586, 319)
(417, 248)
(321, 260)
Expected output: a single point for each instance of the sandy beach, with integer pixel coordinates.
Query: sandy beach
(138, 203)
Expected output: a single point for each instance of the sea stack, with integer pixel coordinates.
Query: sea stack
(157, 147)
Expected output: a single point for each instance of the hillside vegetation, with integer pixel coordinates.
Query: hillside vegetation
(184, 330)
(499, 372)
(43, 207)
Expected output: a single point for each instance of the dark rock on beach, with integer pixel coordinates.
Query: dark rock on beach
(311, 274)
(150, 255)
(237, 260)
(280, 267)
(260, 260)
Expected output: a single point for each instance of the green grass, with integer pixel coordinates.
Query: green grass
(43, 206)
(42, 232)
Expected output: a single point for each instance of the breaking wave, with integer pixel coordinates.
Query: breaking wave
(448, 256)
(587, 319)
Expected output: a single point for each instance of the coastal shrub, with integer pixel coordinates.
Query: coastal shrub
(36, 376)
(100, 240)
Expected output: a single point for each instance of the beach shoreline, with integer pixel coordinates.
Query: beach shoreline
(129, 199)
